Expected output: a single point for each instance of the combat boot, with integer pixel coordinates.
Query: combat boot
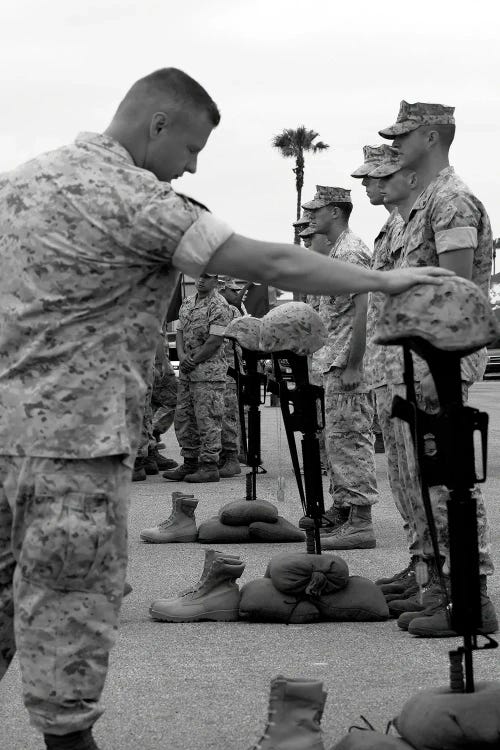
(162, 462)
(294, 715)
(139, 475)
(437, 623)
(333, 518)
(356, 533)
(147, 463)
(230, 467)
(210, 556)
(432, 595)
(178, 474)
(207, 472)
(180, 526)
(216, 598)
(400, 578)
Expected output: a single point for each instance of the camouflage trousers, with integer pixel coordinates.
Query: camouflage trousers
(198, 419)
(412, 496)
(349, 444)
(231, 420)
(147, 437)
(63, 557)
(383, 399)
(163, 402)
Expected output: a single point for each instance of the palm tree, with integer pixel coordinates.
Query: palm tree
(293, 143)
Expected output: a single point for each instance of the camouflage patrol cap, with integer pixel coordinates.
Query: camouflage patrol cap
(326, 195)
(304, 219)
(373, 156)
(412, 116)
(246, 331)
(390, 165)
(454, 316)
(293, 326)
(307, 232)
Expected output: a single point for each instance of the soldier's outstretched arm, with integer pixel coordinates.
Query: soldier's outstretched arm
(294, 269)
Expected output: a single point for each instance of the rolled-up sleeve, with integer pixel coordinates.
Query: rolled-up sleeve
(455, 221)
(169, 228)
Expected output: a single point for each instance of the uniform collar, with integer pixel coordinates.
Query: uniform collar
(106, 143)
(424, 196)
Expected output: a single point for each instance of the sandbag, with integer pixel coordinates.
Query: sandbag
(245, 512)
(262, 602)
(437, 719)
(360, 600)
(299, 573)
(213, 531)
(281, 531)
(358, 739)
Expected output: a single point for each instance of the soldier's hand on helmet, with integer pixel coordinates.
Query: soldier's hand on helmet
(401, 279)
(351, 378)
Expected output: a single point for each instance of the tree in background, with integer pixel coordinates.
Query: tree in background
(293, 144)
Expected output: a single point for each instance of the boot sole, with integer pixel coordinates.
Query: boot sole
(216, 615)
(352, 545)
(178, 538)
(423, 633)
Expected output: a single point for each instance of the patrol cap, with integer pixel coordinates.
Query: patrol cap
(454, 316)
(390, 165)
(307, 232)
(373, 156)
(326, 195)
(304, 219)
(412, 116)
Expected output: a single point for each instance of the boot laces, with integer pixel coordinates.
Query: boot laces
(265, 735)
(168, 522)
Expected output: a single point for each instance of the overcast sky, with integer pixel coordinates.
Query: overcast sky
(340, 69)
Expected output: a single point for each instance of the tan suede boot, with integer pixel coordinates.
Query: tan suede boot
(356, 533)
(180, 526)
(215, 598)
(210, 556)
(294, 715)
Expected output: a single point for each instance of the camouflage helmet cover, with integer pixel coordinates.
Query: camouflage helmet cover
(454, 316)
(293, 326)
(245, 331)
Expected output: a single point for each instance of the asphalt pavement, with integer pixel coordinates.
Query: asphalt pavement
(205, 686)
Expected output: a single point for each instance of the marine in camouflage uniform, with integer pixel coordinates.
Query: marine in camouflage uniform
(446, 217)
(91, 246)
(386, 256)
(231, 430)
(200, 400)
(164, 397)
(348, 408)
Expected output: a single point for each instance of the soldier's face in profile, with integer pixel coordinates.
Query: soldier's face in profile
(397, 187)
(321, 220)
(174, 149)
(371, 185)
(411, 147)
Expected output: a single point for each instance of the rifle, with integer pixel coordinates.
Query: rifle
(454, 466)
(237, 373)
(252, 390)
(306, 415)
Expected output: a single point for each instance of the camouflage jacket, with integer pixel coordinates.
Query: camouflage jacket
(337, 312)
(386, 255)
(447, 216)
(91, 247)
(199, 318)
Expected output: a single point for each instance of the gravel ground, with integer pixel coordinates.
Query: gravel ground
(204, 686)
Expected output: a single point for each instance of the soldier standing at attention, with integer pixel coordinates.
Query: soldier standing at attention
(446, 226)
(203, 318)
(92, 240)
(348, 401)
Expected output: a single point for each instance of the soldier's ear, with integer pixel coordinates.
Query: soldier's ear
(412, 180)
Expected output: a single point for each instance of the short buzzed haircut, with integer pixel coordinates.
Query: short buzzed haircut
(176, 85)
(345, 208)
(446, 133)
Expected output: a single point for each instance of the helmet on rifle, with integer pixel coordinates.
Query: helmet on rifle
(294, 326)
(246, 331)
(453, 316)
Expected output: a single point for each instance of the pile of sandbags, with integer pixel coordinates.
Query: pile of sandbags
(298, 588)
(246, 521)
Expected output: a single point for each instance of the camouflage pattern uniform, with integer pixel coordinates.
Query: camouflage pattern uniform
(230, 439)
(91, 248)
(386, 256)
(200, 398)
(164, 397)
(446, 216)
(349, 414)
